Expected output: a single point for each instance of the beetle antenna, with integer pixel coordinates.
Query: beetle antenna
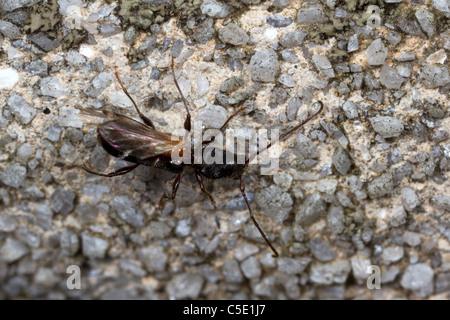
(187, 122)
(286, 134)
(126, 91)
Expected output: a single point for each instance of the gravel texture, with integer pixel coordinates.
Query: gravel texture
(364, 186)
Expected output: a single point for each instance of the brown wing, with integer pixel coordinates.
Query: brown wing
(130, 137)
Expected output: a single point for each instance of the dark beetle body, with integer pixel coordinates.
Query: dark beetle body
(140, 143)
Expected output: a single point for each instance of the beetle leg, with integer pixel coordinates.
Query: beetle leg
(118, 172)
(275, 252)
(202, 187)
(175, 185)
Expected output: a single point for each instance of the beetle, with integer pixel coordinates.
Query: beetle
(141, 144)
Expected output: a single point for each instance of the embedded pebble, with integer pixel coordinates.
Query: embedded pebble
(185, 286)
(233, 34)
(321, 250)
(278, 21)
(215, 9)
(14, 176)
(311, 15)
(20, 108)
(212, 116)
(62, 201)
(381, 186)
(274, 202)
(8, 78)
(53, 87)
(410, 199)
(390, 78)
(329, 273)
(310, 210)
(12, 250)
(264, 66)
(293, 39)
(377, 53)
(419, 279)
(387, 127)
(94, 247)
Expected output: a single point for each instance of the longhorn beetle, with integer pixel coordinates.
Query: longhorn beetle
(140, 143)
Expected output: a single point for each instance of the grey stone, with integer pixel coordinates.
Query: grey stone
(14, 176)
(293, 266)
(359, 268)
(397, 217)
(37, 68)
(238, 204)
(411, 238)
(410, 199)
(202, 85)
(305, 148)
(281, 3)
(313, 14)
(183, 228)
(405, 70)
(289, 55)
(154, 258)
(426, 21)
(94, 247)
(441, 201)
(377, 53)
(387, 127)
(52, 87)
(62, 201)
(233, 34)
(109, 29)
(341, 160)
(9, 30)
(393, 38)
(293, 39)
(7, 223)
(25, 152)
(278, 21)
(12, 250)
(155, 74)
(335, 219)
(286, 80)
(231, 84)
(343, 88)
(54, 133)
(310, 210)
(443, 282)
(98, 84)
(215, 9)
(442, 6)
(231, 271)
(283, 180)
(126, 210)
(46, 277)
(87, 213)
(274, 202)
(389, 274)
(323, 64)
(390, 78)
(250, 268)
(74, 58)
(177, 48)
(350, 110)
(419, 279)
(264, 66)
(185, 286)
(212, 116)
(292, 108)
(11, 5)
(42, 41)
(245, 250)
(20, 108)
(392, 254)
(326, 274)
(69, 243)
(321, 250)
(440, 135)
(434, 76)
(44, 216)
(381, 186)
(353, 43)
(407, 56)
